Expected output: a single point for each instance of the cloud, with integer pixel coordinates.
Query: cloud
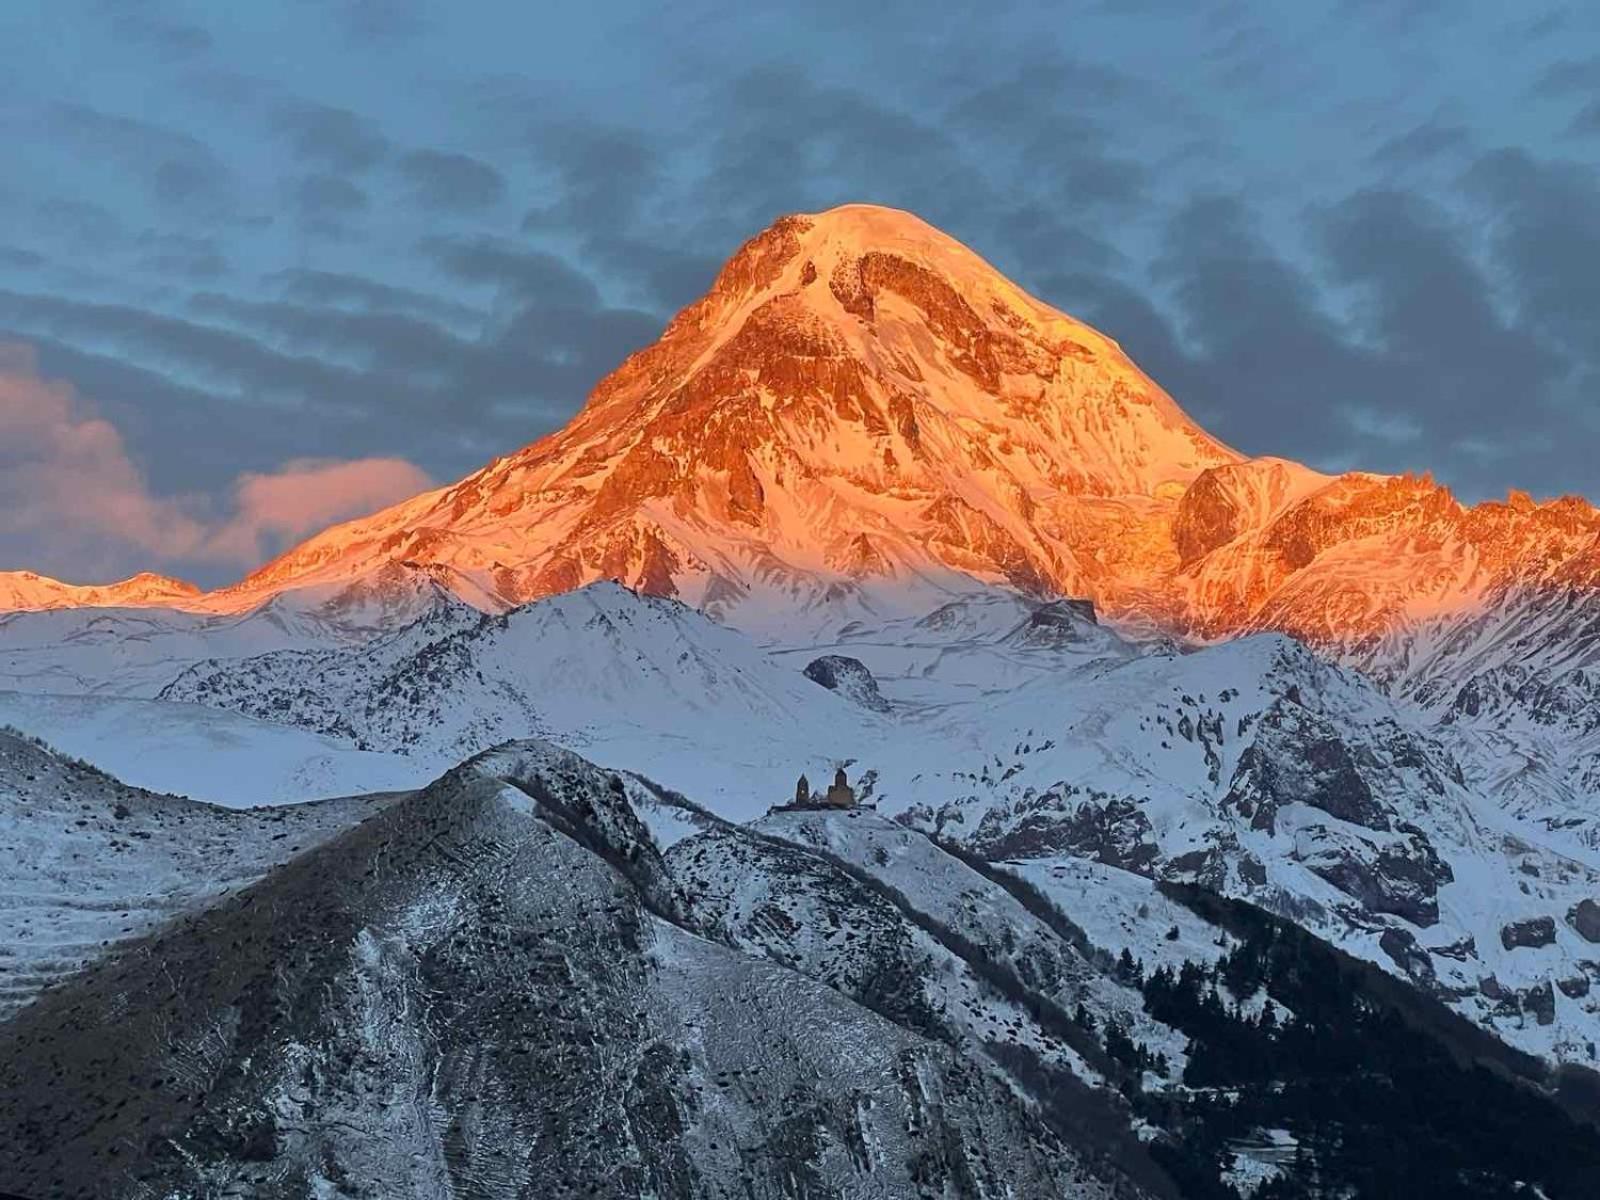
(1424, 143)
(1393, 343)
(170, 39)
(340, 289)
(70, 498)
(182, 255)
(1569, 76)
(178, 169)
(1586, 121)
(368, 21)
(331, 138)
(599, 174)
(74, 503)
(1258, 356)
(17, 259)
(517, 268)
(451, 182)
(1544, 221)
(324, 202)
(1431, 315)
(80, 224)
(273, 511)
(348, 366)
(377, 341)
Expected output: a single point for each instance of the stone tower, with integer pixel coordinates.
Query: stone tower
(841, 794)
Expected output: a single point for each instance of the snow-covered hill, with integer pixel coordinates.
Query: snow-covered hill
(138, 651)
(92, 864)
(1021, 731)
(862, 419)
(504, 983)
(1261, 771)
(859, 417)
(25, 591)
(641, 682)
(496, 986)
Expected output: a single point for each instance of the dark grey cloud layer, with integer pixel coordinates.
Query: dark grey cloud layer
(399, 229)
(446, 181)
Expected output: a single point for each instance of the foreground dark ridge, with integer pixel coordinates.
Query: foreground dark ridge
(500, 985)
(458, 998)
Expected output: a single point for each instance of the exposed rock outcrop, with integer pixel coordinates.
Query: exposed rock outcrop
(850, 678)
(1584, 917)
(1532, 932)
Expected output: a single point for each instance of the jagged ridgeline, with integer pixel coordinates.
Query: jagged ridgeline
(540, 978)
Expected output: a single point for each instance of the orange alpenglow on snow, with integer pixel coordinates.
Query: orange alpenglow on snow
(863, 417)
(26, 591)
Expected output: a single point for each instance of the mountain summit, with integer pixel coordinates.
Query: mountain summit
(858, 410)
(862, 417)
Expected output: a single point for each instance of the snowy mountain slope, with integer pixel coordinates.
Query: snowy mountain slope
(1252, 766)
(972, 646)
(1123, 911)
(93, 864)
(209, 754)
(860, 415)
(862, 419)
(492, 987)
(879, 946)
(980, 912)
(1512, 691)
(500, 985)
(643, 682)
(138, 651)
(120, 651)
(1261, 771)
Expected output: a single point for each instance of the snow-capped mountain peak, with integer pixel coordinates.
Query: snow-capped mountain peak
(861, 413)
(862, 419)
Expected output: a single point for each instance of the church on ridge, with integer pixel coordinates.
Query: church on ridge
(839, 795)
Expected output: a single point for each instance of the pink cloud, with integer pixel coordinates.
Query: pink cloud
(67, 485)
(306, 496)
(73, 502)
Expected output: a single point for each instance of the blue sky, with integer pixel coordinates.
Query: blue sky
(262, 266)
